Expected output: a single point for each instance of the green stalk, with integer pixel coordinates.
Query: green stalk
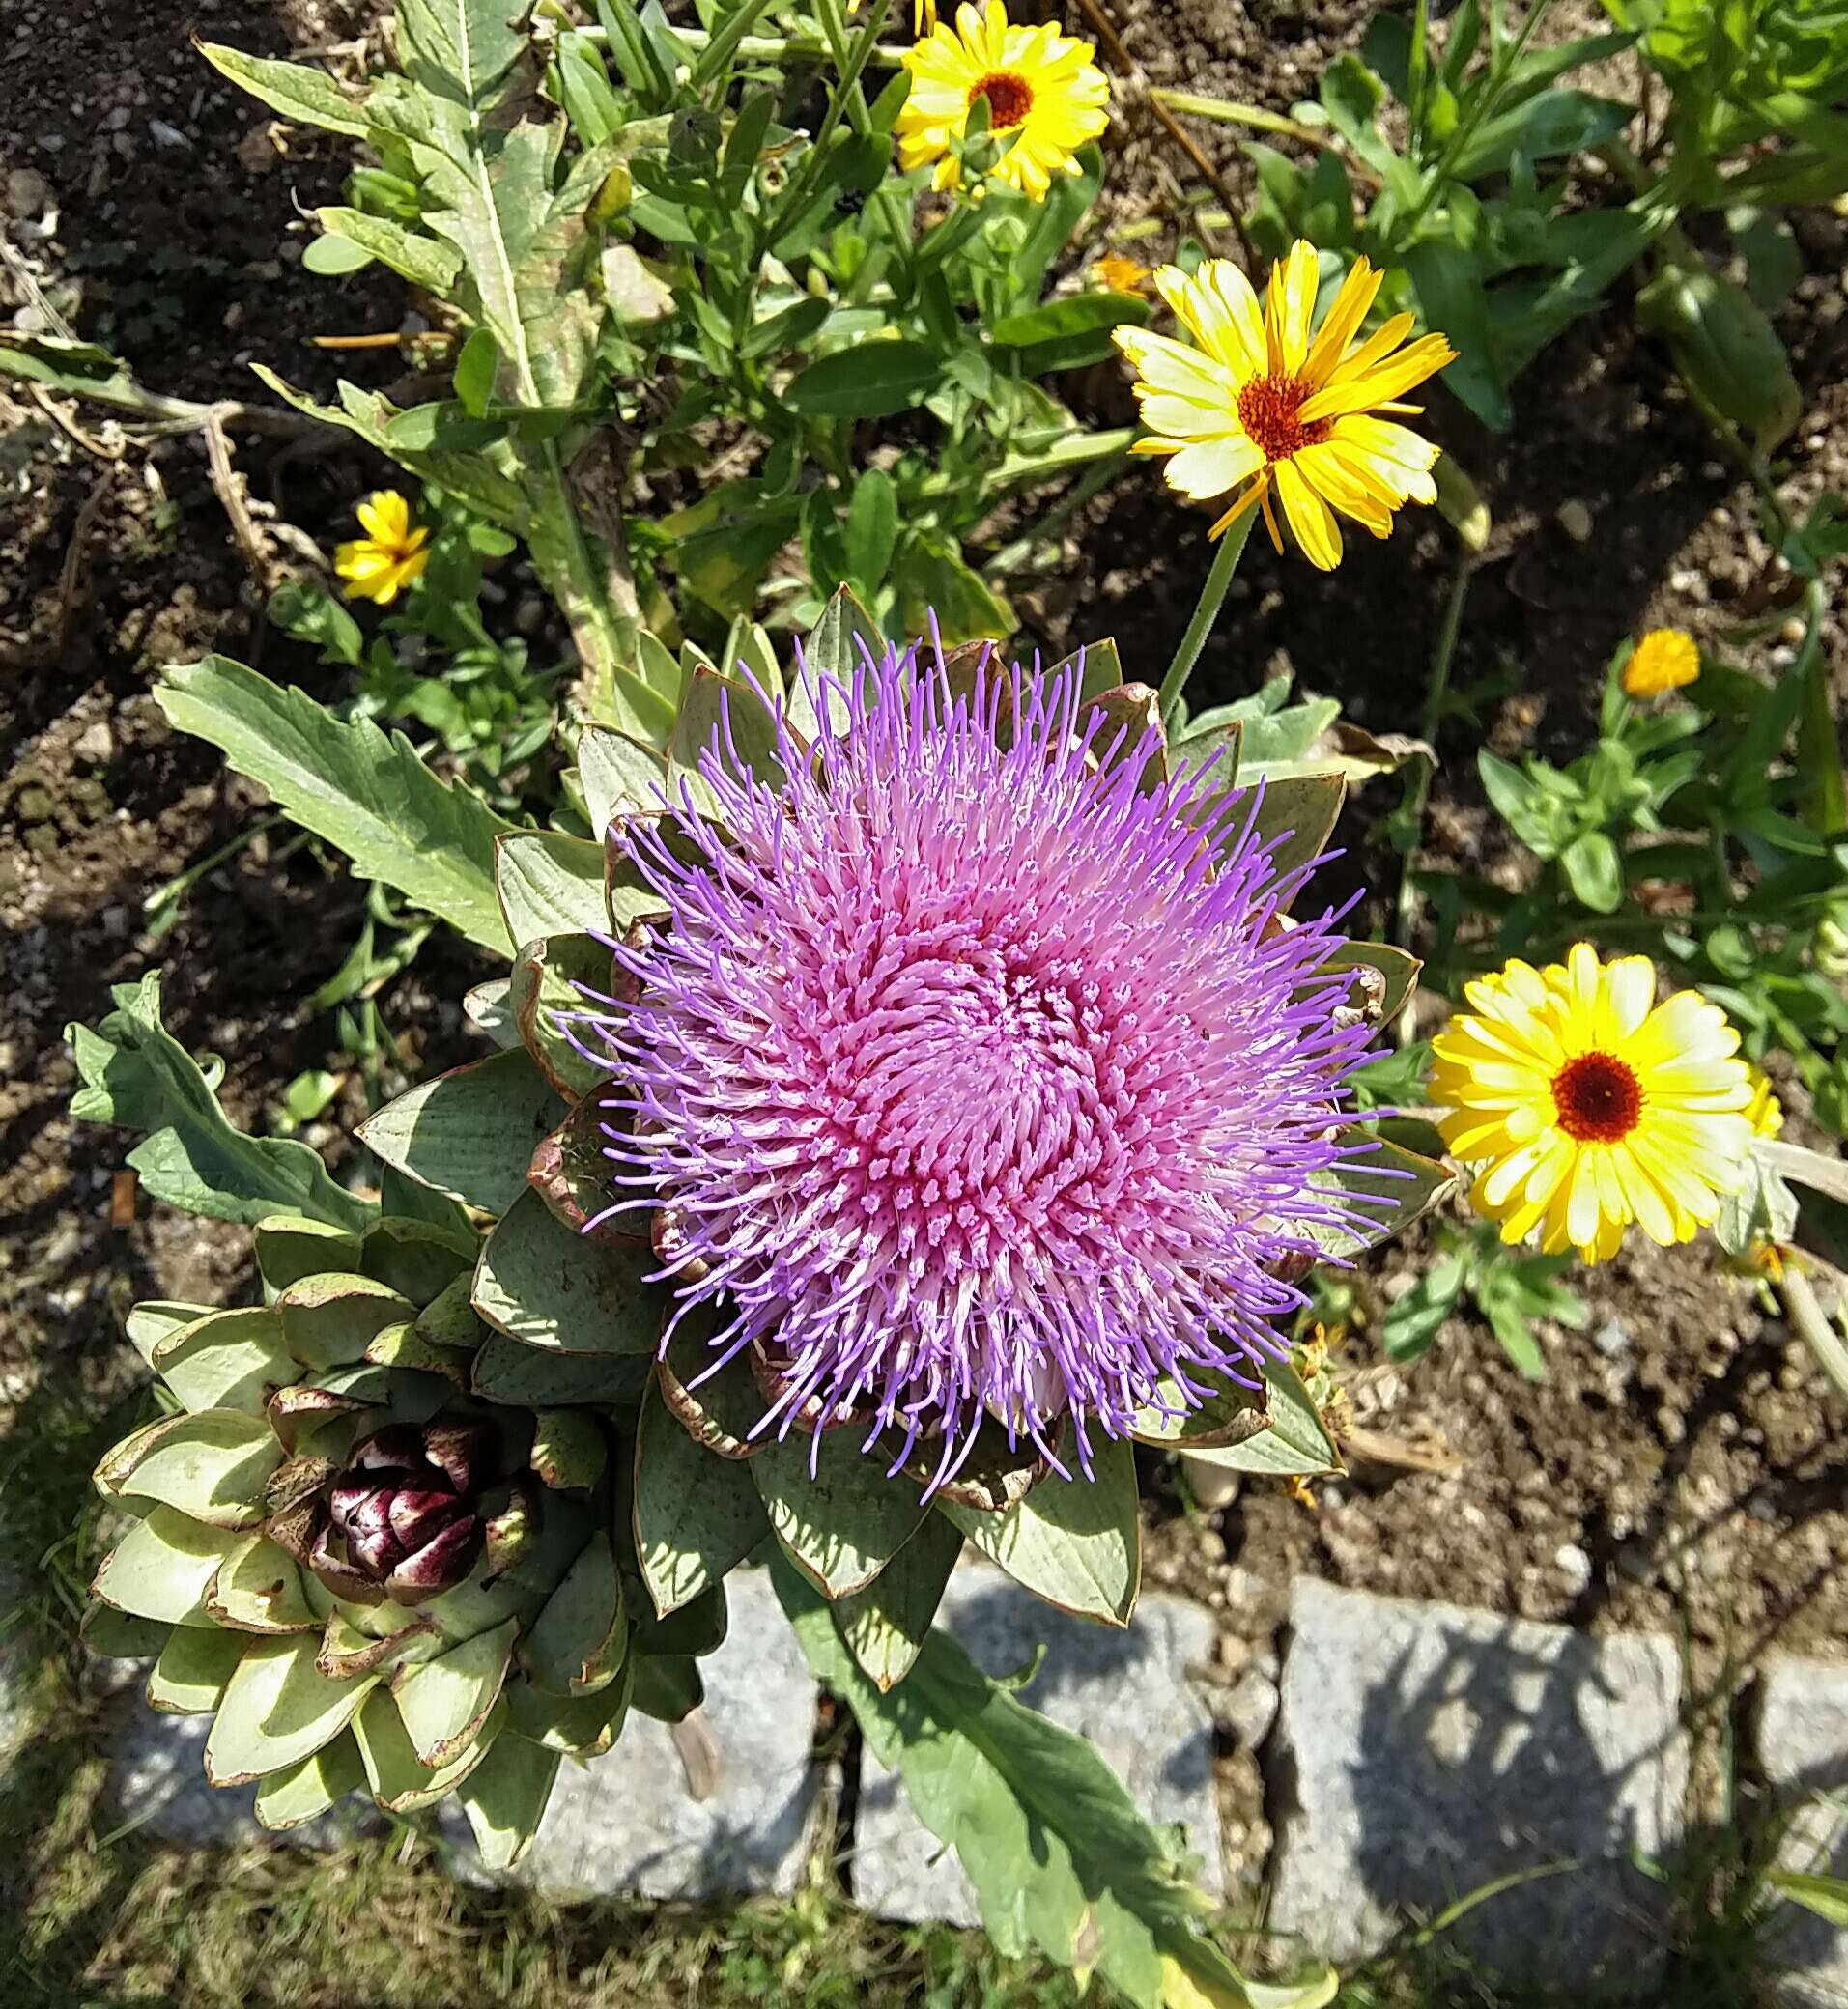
(1818, 750)
(1212, 597)
(725, 44)
(1818, 1331)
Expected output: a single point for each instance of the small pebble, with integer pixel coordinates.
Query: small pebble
(1574, 520)
(1574, 1566)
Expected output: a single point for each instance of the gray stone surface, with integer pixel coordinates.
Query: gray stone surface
(1127, 1691)
(1803, 1750)
(158, 1780)
(1424, 1749)
(625, 1823)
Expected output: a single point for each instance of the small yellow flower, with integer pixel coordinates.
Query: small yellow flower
(1122, 275)
(380, 565)
(1764, 1112)
(1046, 98)
(1589, 1106)
(1663, 660)
(1258, 401)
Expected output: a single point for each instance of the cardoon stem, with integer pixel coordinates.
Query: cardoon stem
(1212, 597)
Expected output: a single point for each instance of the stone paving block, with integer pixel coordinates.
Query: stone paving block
(1424, 1749)
(1803, 1750)
(625, 1823)
(1127, 1691)
(158, 1780)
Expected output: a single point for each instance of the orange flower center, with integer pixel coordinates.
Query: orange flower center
(1009, 98)
(1268, 409)
(1599, 1099)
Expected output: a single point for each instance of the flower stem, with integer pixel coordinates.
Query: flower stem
(1212, 597)
(1817, 1329)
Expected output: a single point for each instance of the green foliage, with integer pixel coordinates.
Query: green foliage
(365, 793)
(1511, 1288)
(1061, 1861)
(136, 1074)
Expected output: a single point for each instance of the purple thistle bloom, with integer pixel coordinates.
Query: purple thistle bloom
(974, 1080)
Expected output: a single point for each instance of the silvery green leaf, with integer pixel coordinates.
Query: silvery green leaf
(369, 796)
(400, 1781)
(305, 1791)
(162, 1567)
(886, 1624)
(697, 1517)
(136, 1074)
(469, 1133)
(540, 1283)
(212, 1466)
(1074, 1542)
(842, 1522)
(278, 1709)
(444, 1701)
(504, 1798)
(189, 1677)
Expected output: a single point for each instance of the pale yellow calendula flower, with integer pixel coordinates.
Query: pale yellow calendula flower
(1257, 403)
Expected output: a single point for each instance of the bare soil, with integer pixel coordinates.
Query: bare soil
(1680, 1469)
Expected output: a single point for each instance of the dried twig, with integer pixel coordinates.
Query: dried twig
(98, 449)
(71, 574)
(228, 486)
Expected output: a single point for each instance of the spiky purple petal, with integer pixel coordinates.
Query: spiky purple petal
(976, 1080)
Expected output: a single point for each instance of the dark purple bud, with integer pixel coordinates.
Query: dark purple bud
(340, 1576)
(419, 1518)
(462, 1451)
(370, 1541)
(397, 1447)
(439, 1565)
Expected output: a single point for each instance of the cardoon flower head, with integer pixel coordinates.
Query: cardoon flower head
(975, 1071)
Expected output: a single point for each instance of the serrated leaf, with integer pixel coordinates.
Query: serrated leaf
(1074, 1542)
(309, 96)
(1058, 1855)
(542, 1285)
(412, 255)
(886, 1624)
(469, 1133)
(370, 797)
(843, 1524)
(136, 1074)
(697, 1517)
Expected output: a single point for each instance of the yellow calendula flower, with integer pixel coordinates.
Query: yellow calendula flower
(380, 565)
(1663, 660)
(1259, 402)
(1122, 275)
(1046, 95)
(1588, 1106)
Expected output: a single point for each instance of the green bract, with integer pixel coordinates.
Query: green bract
(372, 1556)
